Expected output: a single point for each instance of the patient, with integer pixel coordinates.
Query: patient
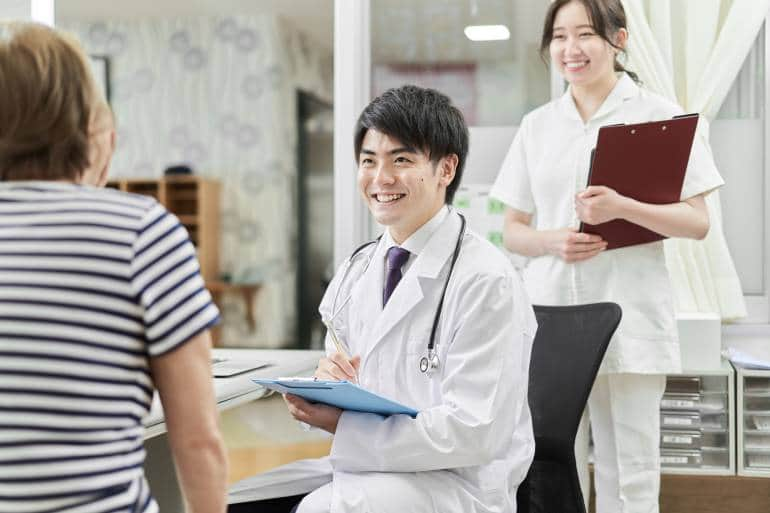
(101, 303)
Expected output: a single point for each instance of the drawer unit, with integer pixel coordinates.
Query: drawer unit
(674, 439)
(693, 420)
(697, 423)
(707, 458)
(753, 422)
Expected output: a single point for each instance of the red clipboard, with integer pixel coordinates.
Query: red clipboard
(644, 161)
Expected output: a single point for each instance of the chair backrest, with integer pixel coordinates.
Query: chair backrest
(568, 348)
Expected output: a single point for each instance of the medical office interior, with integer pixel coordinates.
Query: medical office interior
(237, 115)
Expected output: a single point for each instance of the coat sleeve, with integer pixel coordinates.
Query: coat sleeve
(484, 380)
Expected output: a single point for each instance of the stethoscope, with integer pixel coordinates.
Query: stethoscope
(430, 362)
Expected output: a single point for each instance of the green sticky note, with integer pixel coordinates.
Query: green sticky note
(496, 238)
(462, 202)
(495, 207)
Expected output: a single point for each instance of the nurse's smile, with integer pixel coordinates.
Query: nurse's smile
(575, 66)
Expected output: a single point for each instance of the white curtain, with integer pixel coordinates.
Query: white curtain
(691, 51)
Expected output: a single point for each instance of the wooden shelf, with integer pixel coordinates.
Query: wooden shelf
(248, 293)
(195, 201)
(188, 219)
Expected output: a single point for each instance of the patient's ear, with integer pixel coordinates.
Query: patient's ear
(101, 141)
(105, 170)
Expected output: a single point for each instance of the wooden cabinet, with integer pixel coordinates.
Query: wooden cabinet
(195, 201)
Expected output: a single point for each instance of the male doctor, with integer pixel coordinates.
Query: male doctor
(471, 443)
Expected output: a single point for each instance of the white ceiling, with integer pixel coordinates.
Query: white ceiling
(313, 17)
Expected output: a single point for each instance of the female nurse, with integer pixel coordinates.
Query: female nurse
(543, 182)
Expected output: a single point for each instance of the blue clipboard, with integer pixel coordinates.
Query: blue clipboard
(342, 394)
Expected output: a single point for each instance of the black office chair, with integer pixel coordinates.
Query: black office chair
(568, 348)
(277, 505)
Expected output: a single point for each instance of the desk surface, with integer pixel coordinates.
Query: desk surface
(239, 389)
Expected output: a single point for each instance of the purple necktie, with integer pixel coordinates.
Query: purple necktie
(396, 257)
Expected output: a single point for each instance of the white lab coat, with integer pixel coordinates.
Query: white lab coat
(472, 443)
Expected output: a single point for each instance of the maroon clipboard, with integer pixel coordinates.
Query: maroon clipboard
(644, 161)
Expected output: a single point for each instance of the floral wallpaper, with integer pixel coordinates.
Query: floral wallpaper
(219, 94)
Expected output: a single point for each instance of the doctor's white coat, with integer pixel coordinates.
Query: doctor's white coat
(472, 443)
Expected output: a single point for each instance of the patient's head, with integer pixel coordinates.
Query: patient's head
(51, 113)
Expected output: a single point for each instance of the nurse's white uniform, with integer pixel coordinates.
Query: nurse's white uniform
(545, 167)
(471, 444)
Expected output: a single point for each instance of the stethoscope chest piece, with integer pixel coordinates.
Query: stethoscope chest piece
(429, 363)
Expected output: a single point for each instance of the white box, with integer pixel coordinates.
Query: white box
(700, 341)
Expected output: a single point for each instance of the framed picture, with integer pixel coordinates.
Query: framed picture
(100, 64)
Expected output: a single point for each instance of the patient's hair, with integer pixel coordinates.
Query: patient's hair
(423, 119)
(47, 95)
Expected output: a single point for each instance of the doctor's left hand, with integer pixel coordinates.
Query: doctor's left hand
(318, 415)
(598, 204)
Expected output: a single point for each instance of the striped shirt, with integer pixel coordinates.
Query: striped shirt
(93, 283)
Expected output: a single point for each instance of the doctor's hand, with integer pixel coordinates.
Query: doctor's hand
(338, 368)
(598, 204)
(318, 415)
(572, 246)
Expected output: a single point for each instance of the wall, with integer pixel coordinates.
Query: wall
(220, 94)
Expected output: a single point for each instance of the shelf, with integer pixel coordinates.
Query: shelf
(248, 293)
(753, 453)
(195, 202)
(698, 423)
(186, 219)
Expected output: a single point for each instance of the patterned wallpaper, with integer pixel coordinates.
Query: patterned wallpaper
(219, 94)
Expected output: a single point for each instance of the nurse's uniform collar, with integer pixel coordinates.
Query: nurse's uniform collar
(624, 90)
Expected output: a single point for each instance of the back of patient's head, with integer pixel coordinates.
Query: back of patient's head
(47, 100)
(421, 119)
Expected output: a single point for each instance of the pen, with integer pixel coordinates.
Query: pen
(337, 343)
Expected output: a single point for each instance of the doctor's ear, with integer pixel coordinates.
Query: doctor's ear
(447, 167)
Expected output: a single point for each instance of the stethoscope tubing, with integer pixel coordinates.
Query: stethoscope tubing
(431, 362)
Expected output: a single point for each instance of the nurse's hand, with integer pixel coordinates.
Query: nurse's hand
(572, 246)
(598, 204)
(318, 415)
(338, 368)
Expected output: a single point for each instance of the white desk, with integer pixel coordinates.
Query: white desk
(230, 393)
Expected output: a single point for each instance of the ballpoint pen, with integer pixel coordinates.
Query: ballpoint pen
(337, 343)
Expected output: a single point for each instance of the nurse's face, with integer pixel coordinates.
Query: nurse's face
(401, 186)
(581, 55)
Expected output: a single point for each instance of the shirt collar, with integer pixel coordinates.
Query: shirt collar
(416, 242)
(624, 90)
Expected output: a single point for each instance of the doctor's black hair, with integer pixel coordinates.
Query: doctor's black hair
(420, 118)
(606, 16)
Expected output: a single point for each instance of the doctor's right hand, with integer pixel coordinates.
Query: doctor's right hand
(571, 245)
(338, 368)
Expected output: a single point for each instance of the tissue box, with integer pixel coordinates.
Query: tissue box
(700, 341)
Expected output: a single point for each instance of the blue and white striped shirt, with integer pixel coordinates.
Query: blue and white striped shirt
(93, 283)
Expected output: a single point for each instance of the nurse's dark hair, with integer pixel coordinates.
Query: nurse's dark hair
(606, 16)
(419, 118)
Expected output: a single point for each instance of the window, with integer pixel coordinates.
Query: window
(738, 138)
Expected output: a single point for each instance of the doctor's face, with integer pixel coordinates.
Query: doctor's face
(581, 55)
(401, 186)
